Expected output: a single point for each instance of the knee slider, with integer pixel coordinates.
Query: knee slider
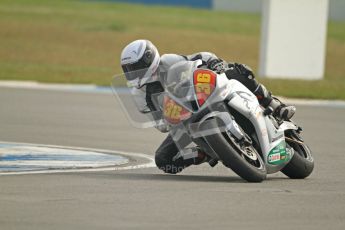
(167, 166)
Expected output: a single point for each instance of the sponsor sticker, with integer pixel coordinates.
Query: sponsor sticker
(278, 154)
(274, 157)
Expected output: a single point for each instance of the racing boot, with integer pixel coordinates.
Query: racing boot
(279, 109)
(282, 111)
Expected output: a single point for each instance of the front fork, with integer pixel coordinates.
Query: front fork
(225, 123)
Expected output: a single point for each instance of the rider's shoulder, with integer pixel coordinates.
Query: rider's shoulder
(205, 56)
(168, 60)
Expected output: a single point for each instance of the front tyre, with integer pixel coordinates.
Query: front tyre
(302, 162)
(243, 159)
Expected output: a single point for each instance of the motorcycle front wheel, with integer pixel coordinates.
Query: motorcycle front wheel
(242, 158)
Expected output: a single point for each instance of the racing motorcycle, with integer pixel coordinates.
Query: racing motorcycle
(226, 121)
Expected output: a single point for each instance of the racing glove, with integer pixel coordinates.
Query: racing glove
(217, 65)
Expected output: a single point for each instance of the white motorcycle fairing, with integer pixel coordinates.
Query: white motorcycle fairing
(272, 139)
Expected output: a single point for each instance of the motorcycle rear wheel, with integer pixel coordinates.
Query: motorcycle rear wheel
(245, 161)
(302, 162)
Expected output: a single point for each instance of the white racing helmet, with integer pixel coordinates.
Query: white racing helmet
(140, 61)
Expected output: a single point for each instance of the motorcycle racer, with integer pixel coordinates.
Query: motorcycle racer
(146, 70)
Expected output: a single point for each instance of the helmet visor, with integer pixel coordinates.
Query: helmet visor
(135, 70)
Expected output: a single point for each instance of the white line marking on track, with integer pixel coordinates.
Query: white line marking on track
(314, 103)
(84, 88)
(149, 164)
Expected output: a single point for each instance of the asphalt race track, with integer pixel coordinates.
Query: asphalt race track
(199, 198)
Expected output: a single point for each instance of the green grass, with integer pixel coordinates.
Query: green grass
(70, 41)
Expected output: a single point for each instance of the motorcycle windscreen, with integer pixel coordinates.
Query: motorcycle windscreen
(133, 101)
(184, 96)
(187, 82)
(179, 85)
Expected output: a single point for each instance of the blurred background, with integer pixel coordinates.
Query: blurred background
(80, 41)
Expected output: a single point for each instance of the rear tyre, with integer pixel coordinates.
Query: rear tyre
(302, 162)
(243, 159)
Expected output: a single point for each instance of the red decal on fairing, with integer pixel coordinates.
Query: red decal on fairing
(173, 112)
(204, 84)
